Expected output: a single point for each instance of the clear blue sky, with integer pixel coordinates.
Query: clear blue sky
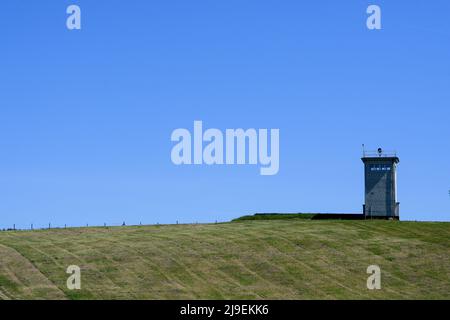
(86, 116)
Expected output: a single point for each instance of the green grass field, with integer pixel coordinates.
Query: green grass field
(276, 259)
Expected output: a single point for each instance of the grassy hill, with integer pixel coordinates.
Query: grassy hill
(259, 259)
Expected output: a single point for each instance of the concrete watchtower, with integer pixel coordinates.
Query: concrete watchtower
(380, 173)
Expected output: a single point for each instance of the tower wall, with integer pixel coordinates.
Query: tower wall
(381, 187)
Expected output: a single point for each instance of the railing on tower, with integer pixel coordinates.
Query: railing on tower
(379, 153)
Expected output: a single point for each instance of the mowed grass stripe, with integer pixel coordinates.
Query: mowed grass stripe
(20, 279)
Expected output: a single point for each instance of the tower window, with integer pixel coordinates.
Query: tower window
(380, 167)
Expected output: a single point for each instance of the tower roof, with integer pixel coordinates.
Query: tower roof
(380, 155)
(384, 159)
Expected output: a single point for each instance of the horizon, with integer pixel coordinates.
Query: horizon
(37, 227)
